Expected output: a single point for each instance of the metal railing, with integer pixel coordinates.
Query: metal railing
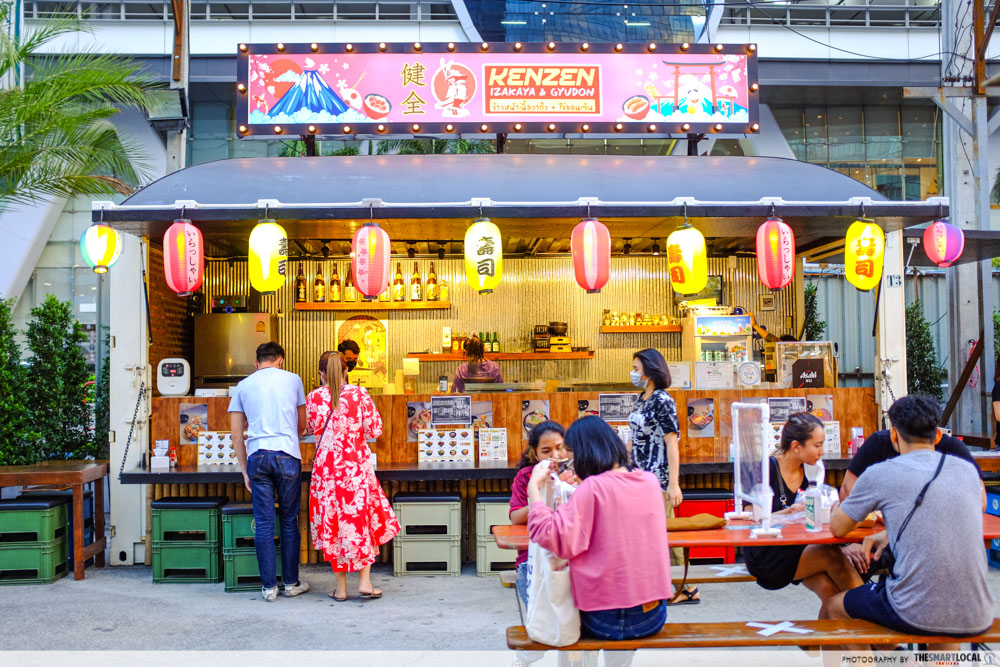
(247, 10)
(833, 16)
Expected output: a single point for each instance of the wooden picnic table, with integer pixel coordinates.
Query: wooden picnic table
(737, 534)
(69, 474)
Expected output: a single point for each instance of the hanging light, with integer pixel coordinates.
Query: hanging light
(775, 253)
(183, 257)
(370, 266)
(483, 255)
(943, 243)
(687, 260)
(591, 248)
(268, 255)
(864, 251)
(100, 246)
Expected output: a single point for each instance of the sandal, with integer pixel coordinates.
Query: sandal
(374, 595)
(331, 594)
(685, 596)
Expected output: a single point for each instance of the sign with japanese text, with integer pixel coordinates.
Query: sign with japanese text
(348, 89)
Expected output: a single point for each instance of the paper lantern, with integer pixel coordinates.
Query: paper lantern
(183, 257)
(943, 243)
(371, 264)
(775, 253)
(864, 251)
(687, 260)
(591, 247)
(100, 246)
(268, 256)
(483, 256)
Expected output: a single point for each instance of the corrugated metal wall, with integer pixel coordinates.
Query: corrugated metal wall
(533, 291)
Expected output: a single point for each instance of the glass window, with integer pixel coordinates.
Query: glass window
(314, 10)
(144, 10)
(210, 120)
(271, 10)
(229, 10)
(198, 10)
(438, 12)
(356, 11)
(45, 9)
(393, 11)
(918, 131)
(97, 11)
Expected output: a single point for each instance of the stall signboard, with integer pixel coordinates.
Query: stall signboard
(616, 407)
(782, 408)
(451, 410)
(723, 325)
(491, 88)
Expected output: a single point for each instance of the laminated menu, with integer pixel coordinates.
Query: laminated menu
(445, 445)
(216, 448)
(492, 444)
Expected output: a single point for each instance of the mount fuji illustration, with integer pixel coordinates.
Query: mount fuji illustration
(312, 94)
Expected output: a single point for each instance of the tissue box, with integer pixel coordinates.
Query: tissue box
(159, 462)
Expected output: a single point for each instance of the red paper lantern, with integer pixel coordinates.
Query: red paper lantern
(943, 243)
(591, 247)
(371, 264)
(183, 257)
(775, 253)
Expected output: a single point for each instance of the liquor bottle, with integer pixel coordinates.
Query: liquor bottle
(432, 285)
(398, 285)
(443, 291)
(335, 293)
(385, 295)
(319, 285)
(416, 287)
(496, 342)
(300, 286)
(350, 291)
(456, 343)
(483, 341)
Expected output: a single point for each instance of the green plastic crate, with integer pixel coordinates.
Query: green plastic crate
(19, 526)
(491, 559)
(170, 525)
(427, 556)
(34, 562)
(186, 563)
(242, 572)
(238, 531)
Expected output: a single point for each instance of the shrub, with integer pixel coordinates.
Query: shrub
(813, 328)
(923, 375)
(18, 439)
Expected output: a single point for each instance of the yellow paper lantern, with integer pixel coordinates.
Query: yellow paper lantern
(268, 256)
(687, 259)
(483, 255)
(864, 251)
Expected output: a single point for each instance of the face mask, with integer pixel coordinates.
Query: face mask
(637, 380)
(350, 365)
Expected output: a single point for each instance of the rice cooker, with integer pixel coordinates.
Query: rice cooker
(173, 377)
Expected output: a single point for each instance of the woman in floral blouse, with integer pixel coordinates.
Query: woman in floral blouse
(349, 515)
(655, 430)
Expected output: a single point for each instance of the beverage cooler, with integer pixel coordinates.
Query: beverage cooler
(717, 338)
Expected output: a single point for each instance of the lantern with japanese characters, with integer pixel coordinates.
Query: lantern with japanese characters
(864, 251)
(591, 247)
(687, 260)
(100, 246)
(371, 264)
(483, 256)
(943, 243)
(268, 256)
(775, 253)
(183, 257)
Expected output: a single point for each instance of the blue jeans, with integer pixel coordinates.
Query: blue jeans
(276, 476)
(521, 584)
(630, 623)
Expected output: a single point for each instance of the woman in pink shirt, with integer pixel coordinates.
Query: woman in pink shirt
(612, 532)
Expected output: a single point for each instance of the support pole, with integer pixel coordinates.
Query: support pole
(890, 338)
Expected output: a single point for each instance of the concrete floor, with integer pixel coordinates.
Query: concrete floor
(120, 608)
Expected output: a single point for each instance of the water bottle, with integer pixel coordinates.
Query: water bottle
(812, 500)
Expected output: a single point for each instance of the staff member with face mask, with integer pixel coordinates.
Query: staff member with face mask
(655, 429)
(349, 351)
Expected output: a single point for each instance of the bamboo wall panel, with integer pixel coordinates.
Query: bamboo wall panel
(533, 291)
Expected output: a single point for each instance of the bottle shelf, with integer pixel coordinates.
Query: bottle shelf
(374, 305)
(508, 356)
(638, 328)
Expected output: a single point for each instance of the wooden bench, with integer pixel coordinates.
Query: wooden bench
(727, 635)
(711, 574)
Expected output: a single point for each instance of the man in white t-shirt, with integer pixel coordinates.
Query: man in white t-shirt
(270, 405)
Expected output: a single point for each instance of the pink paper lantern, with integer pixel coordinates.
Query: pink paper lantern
(591, 247)
(943, 243)
(183, 257)
(775, 253)
(371, 264)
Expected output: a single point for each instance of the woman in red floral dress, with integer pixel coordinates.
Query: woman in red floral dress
(349, 515)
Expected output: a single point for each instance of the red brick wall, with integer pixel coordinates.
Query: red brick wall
(173, 330)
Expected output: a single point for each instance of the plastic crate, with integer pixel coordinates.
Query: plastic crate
(993, 557)
(707, 501)
(239, 527)
(32, 521)
(427, 556)
(428, 515)
(88, 539)
(242, 572)
(491, 510)
(491, 559)
(173, 521)
(186, 563)
(34, 562)
(992, 501)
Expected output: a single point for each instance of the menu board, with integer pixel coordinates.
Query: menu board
(492, 444)
(451, 410)
(616, 407)
(784, 407)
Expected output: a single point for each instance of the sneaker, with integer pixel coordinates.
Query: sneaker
(269, 594)
(296, 589)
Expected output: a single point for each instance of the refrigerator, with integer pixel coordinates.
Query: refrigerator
(225, 346)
